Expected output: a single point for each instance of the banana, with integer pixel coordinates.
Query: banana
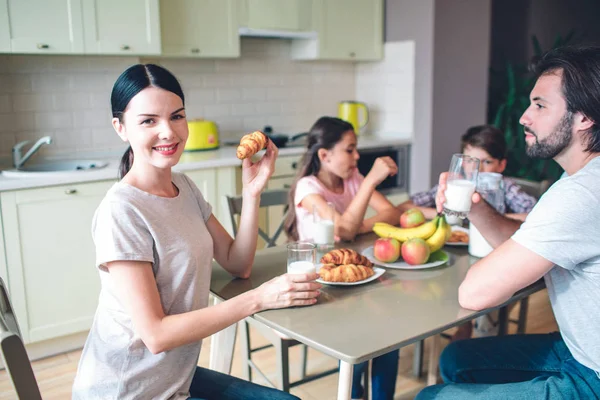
(438, 239)
(403, 234)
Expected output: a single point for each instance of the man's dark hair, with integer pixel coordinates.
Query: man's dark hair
(580, 67)
(486, 137)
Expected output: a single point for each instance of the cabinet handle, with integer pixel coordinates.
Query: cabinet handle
(352, 54)
(70, 191)
(294, 165)
(125, 47)
(195, 50)
(42, 46)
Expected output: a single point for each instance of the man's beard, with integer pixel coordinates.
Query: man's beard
(555, 143)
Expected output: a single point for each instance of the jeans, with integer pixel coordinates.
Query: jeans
(383, 377)
(211, 385)
(527, 367)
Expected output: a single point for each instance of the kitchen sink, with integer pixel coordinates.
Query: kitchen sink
(55, 167)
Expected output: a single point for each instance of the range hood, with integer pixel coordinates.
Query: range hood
(280, 34)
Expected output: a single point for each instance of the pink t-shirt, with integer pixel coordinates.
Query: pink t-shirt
(312, 185)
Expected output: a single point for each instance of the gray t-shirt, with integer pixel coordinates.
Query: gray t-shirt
(170, 233)
(564, 228)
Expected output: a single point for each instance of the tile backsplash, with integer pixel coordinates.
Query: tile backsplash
(68, 97)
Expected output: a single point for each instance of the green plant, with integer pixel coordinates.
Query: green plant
(514, 85)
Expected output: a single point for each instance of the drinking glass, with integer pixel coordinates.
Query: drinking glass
(461, 184)
(491, 187)
(323, 232)
(301, 258)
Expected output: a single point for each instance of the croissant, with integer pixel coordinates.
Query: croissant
(345, 273)
(251, 144)
(345, 256)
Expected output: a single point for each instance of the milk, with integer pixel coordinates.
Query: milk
(323, 232)
(478, 246)
(458, 195)
(301, 267)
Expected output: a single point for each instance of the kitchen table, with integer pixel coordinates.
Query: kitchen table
(357, 323)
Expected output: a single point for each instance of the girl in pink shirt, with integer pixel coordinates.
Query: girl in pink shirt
(329, 174)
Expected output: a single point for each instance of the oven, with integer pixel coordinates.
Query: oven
(401, 155)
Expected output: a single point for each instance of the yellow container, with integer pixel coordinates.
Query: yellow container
(349, 111)
(204, 135)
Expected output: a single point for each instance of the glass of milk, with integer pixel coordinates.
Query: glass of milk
(461, 184)
(491, 187)
(301, 258)
(323, 227)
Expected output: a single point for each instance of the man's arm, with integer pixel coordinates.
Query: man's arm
(494, 279)
(493, 226)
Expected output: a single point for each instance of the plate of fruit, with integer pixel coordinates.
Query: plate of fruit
(416, 244)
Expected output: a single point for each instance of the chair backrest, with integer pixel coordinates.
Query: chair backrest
(274, 197)
(13, 351)
(533, 188)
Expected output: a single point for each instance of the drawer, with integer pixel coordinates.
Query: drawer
(286, 166)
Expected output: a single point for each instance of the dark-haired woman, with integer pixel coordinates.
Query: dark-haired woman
(155, 238)
(329, 174)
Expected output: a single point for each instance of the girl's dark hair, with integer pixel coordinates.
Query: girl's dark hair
(580, 67)
(135, 79)
(486, 137)
(324, 134)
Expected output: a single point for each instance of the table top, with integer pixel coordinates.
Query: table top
(357, 323)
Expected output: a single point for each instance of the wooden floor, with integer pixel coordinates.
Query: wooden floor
(55, 375)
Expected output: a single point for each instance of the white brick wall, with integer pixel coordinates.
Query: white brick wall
(68, 97)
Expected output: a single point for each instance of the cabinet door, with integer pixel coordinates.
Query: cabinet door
(41, 26)
(51, 258)
(352, 29)
(199, 28)
(278, 14)
(347, 30)
(206, 180)
(275, 214)
(121, 27)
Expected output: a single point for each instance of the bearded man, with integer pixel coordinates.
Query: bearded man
(559, 241)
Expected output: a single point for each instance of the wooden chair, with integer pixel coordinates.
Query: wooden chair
(13, 351)
(281, 342)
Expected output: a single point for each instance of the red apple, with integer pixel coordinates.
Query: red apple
(386, 249)
(415, 251)
(412, 218)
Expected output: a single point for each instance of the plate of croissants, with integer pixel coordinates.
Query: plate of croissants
(459, 237)
(346, 267)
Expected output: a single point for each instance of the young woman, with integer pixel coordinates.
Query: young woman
(328, 174)
(155, 238)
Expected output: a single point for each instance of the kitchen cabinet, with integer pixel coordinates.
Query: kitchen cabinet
(215, 184)
(347, 30)
(285, 15)
(283, 178)
(41, 26)
(199, 28)
(121, 27)
(50, 257)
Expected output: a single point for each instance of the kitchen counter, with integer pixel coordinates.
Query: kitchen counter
(222, 157)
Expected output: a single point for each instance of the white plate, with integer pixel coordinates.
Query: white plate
(400, 264)
(458, 244)
(377, 274)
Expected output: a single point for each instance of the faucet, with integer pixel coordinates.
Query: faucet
(19, 160)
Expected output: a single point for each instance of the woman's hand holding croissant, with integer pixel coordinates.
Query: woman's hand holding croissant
(256, 175)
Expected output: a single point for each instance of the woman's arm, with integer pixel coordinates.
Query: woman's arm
(136, 289)
(237, 255)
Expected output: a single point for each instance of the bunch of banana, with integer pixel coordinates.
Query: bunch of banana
(424, 231)
(441, 234)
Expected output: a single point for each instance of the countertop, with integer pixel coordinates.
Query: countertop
(222, 157)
